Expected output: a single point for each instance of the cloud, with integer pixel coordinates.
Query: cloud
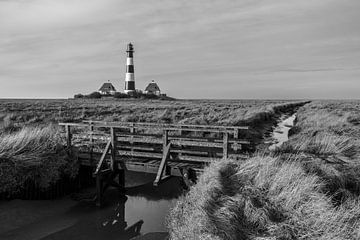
(75, 45)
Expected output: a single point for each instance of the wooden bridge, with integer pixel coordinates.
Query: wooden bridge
(163, 149)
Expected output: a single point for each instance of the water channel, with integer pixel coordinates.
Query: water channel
(280, 133)
(140, 215)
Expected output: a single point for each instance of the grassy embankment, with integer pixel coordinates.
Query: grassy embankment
(32, 145)
(307, 189)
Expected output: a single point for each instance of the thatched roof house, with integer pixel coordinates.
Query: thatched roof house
(107, 89)
(152, 88)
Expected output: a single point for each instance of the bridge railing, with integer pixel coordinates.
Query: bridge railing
(163, 149)
(147, 139)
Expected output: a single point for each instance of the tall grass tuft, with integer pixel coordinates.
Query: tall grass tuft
(262, 198)
(35, 154)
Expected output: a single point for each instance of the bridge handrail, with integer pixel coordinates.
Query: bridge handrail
(171, 127)
(165, 125)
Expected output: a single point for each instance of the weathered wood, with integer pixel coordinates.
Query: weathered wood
(106, 150)
(236, 133)
(113, 147)
(165, 139)
(179, 151)
(225, 145)
(68, 136)
(162, 166)
(155, 139)
(91, 140)
(99, 191)
(159, 156)
(193, 143)
(162, 125)
(139, 154)
(140, 140)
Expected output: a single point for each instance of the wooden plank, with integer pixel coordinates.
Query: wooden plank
(139, 154)
(140, 148)
(163, 162)
(99, 165)
(159, 156)
(122, 134)
(177, 141)
(194, 129)
(140, 140)
(193, 143)
(173, 127)
(182, 126)
(197, 159)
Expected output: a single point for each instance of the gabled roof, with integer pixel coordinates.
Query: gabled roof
(107, 87)
(152, 87)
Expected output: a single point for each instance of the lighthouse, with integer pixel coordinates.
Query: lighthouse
(129, 76)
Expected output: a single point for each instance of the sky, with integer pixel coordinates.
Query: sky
(228, 49)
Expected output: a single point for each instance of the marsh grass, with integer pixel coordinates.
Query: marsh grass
(307, 189)
(33, 153)
(261, 198)
(31, 146)
(213, 112)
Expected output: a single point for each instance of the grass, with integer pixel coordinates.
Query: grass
(31, 144)
(214, 112)
(307, 189)
(262, 198)
(33, 153)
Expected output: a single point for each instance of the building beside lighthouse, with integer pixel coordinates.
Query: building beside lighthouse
(107, 89)
(153, 89)
(130, 74)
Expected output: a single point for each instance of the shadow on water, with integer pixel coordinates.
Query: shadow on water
(141, 213)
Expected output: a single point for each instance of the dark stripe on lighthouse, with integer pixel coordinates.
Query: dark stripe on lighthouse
(130, 85)
(130, 54)
(130, 68)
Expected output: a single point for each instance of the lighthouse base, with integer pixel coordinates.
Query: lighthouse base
(129, 91)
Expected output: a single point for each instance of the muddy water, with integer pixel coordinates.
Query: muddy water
(140, 214)
(280, 134)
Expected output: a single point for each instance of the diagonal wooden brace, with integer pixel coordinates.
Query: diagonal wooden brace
(102, 159)
(162, 166)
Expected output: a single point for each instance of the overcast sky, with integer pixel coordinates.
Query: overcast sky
(192, 49)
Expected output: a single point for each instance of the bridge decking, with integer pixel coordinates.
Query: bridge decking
(112, 148)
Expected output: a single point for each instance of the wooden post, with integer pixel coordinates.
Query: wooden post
(113, 148)
(68, 136)
(91, 143)
(99, 191)
(236, 133)
(165, 139)
(226, 143)
(122, 180)
(132, 131)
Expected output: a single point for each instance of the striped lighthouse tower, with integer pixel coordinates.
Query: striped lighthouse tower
(129, 77)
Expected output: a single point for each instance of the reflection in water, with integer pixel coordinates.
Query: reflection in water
(141, 213)
(108, 223)
(281, 132)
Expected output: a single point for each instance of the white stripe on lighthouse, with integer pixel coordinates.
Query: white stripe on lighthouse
(129, 61)
(129, 77)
